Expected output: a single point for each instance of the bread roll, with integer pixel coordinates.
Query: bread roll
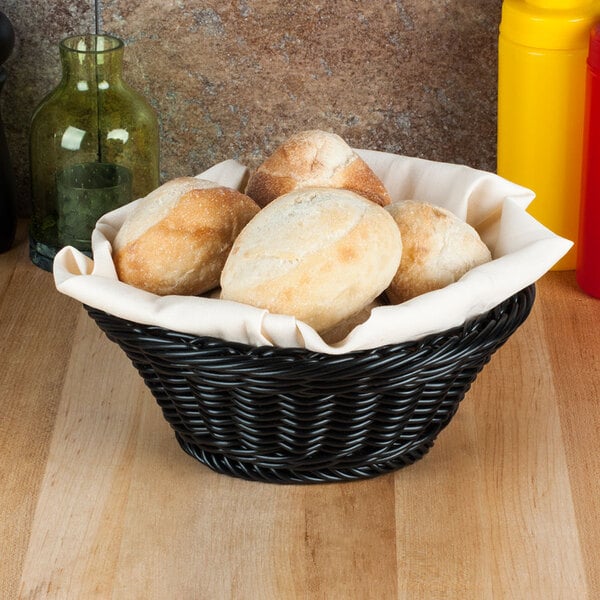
(177, 238)
(438, 249)
(314, 159)
(318, 254)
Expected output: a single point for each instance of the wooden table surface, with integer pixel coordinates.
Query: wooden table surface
(98, 501)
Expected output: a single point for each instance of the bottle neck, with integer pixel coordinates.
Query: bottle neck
(92, 61)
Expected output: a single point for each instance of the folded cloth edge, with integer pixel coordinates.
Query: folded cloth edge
(93, 282)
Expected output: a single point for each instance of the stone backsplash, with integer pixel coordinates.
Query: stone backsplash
(233, 79)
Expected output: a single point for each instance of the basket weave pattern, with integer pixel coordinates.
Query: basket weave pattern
(288, 415)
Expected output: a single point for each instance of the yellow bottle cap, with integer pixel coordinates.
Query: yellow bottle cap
(549, 24)
(558, 4)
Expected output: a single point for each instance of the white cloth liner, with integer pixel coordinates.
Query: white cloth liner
(522, 250)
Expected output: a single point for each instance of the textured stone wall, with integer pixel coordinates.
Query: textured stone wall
(232, 79)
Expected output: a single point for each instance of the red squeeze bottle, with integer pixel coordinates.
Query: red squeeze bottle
(588, 251)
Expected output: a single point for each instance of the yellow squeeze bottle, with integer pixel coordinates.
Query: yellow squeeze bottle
(542, 52)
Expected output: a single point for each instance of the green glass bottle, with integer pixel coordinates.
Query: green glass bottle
(94, 146)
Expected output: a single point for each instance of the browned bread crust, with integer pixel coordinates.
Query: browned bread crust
(314, 159)
(438, 248)
(319, 254)
(177, 239)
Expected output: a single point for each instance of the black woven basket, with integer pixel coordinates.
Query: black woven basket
(288, 415)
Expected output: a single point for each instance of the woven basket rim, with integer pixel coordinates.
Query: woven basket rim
(248, 349)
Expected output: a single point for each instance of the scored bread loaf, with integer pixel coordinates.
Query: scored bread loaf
(319, 254)
(314, 158)
(177, 238)
(437, 249)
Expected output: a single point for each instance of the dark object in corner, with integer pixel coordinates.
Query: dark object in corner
(8, 211)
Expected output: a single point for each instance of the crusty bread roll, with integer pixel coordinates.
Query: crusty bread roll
(314, 159)
(437, 249)
(319, 254)
(177, 238)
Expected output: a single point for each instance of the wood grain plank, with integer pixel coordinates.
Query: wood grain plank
(571, 322)
(10, 258)
(139, 518)
(350, 540)
(489, 513)
(36, 326)
(85, 484)
(204, 534)
(439, 520)
(530, 523)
